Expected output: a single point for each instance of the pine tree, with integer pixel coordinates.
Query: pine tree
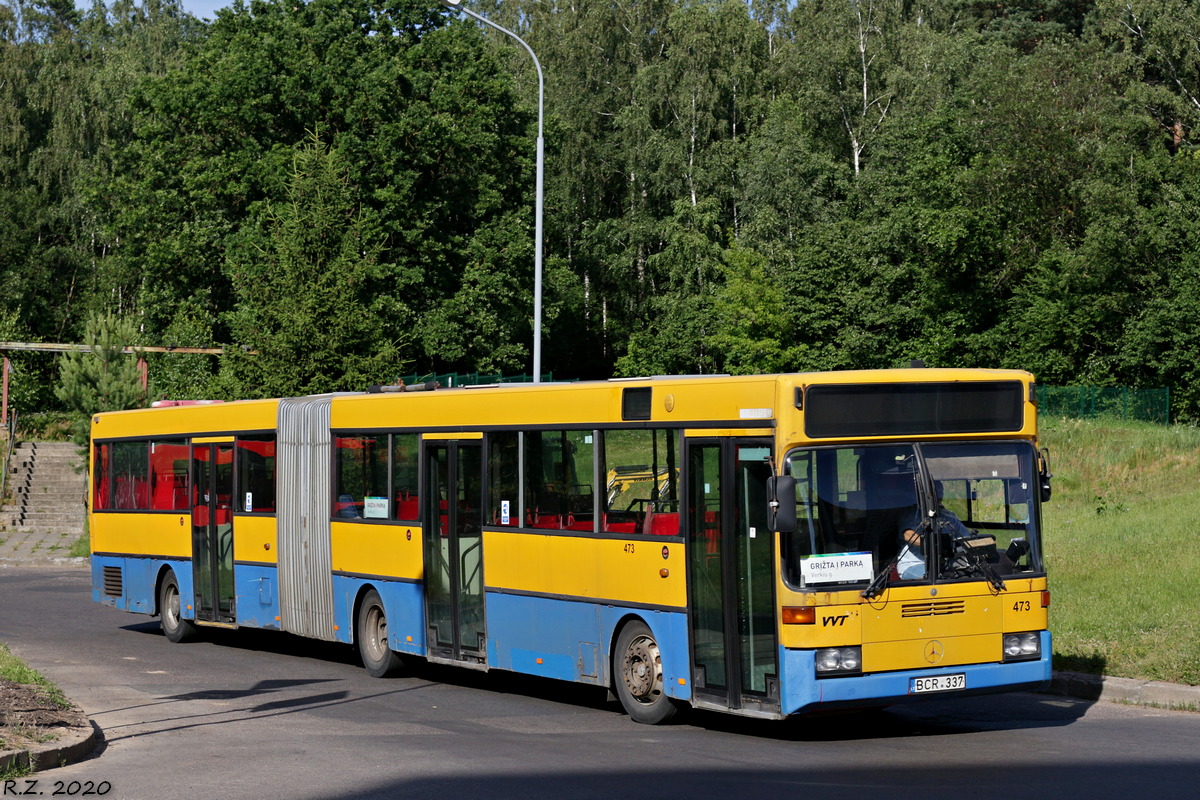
(102, 378)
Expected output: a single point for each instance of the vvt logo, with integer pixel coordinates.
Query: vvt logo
(832, 622)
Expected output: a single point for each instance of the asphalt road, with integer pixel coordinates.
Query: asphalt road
(249, 714)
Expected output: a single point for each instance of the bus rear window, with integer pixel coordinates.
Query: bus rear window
(913, 409)
(101, 479)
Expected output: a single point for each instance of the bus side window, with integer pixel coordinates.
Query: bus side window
(641, 482)
(405, 478)
(131, 475)
(558, 479)
(360, 476)
(502, 479)
(169, 476)
(256, 474)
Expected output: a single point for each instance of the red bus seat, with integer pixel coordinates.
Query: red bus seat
(408, 508)
(665, 524)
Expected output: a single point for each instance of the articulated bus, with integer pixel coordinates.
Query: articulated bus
(761, 545)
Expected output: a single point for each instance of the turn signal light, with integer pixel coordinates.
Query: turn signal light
(1046, 599)
(799, 615)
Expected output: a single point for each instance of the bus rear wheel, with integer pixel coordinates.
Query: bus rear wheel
(638, 676)
(174, 626)
(372, 634)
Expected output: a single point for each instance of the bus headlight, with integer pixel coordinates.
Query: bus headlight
(839, 660)
(1021, 646)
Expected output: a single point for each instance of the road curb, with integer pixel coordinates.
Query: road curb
(1125, 690)
(76, 744)
(58, 562)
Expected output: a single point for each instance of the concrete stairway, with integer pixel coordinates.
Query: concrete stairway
(46, 511)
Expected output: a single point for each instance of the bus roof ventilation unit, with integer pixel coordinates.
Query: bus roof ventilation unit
(427, 386)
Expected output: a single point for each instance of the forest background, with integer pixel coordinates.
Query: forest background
(346, 188)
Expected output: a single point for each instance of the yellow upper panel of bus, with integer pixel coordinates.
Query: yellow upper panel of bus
(190, 420)
(736, 401)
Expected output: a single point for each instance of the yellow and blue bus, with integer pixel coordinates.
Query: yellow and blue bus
(760, 545)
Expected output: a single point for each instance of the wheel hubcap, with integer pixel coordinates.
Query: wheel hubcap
(171, 612)
(376, 632)
(643, 669)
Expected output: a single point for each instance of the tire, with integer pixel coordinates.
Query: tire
(174, 626)
(372, 635)
(638, 677)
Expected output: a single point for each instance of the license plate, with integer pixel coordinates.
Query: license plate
(938, 683)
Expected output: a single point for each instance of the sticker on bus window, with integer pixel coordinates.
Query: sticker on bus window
(505, 512)
(375, 508)
(837, 568)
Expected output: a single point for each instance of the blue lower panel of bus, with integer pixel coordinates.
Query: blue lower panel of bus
(257, 590)
(570, 639)
(403, 605)
(803, 691)
(138, 583)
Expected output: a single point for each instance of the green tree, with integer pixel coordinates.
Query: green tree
(64, 80)
(308, 300)
(186, 376)
(24, 374)
(752, 332)
(103, 377)
(433, 163)
(1162, 38)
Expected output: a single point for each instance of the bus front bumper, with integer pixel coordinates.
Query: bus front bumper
(802, 691)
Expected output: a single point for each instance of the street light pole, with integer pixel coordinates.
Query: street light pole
(537, 233)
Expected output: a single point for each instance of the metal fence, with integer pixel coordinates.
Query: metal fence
(1120, 402)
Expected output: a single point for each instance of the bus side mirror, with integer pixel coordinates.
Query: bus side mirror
(1044, 474)
(781, 503)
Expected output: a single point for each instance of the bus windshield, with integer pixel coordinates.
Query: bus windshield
(912, 512)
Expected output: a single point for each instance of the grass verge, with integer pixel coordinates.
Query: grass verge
(15, 670)
(1121, 548)
(33, 712)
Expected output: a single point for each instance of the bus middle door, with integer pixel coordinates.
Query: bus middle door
(453, 521)
(212, 530)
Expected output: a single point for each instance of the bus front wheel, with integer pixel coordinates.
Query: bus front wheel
(377, 656)
(638, 676)
(174, 626)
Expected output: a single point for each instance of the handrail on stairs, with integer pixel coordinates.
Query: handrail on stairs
(8, 448)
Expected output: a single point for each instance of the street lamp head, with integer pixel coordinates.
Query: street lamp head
(451, 3)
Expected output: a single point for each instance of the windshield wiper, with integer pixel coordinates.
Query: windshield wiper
(968, 558)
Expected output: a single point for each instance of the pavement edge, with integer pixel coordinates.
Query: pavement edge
(76, 744)
(1130, 691)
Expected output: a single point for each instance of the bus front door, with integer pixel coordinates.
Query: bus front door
(212, 531)
(734, 642)
(453, 518)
